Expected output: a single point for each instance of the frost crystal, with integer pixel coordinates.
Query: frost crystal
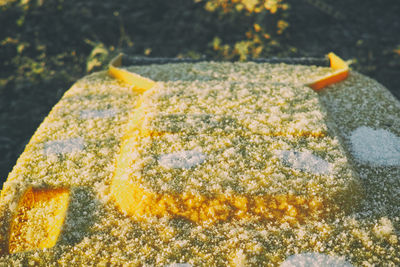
(377, 147)
(185, 159)
(64, 146)
(94, 114)
(179, 265)
(314, 259)
(304, 161)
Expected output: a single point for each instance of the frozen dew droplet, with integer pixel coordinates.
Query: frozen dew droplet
(304, 161)
(64, 146)
(376, 147)
(185, 159)
(314, 259)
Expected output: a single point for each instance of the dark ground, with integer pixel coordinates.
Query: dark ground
(367, 32)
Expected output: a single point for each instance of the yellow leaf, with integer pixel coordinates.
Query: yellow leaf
(282, 25)
(216, 43)
(249, 34)
(250, 4)
(257, 27)
(147, 51)
(239, 7)
(257, 51)
(271, 5)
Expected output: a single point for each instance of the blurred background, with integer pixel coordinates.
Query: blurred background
(46, 45)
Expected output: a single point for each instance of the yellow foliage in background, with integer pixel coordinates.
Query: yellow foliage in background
(266, 21)
(256, 6)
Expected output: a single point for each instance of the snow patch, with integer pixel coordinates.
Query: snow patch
(304, 161)
(94, 114)
(185, 159)
(314, 259)
(376, 147)
(64, 146)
